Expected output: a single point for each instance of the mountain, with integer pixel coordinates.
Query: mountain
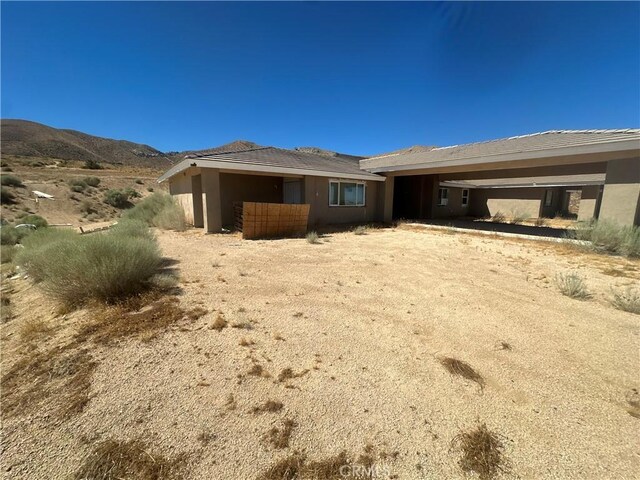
(31, 139)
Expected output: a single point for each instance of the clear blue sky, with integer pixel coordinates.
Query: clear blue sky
(361, 78)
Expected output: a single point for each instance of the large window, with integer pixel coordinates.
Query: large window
(443, 197)
(346, 194)
(465, 197)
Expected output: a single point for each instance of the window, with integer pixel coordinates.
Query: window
(465, 197)
(548, 197)
(443, 197)
(346, 194)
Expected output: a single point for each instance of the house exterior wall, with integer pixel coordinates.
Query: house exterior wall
(589, 202)
(180, 189)
(454, 207)
(316, 193)
(486, 202)
(621, 194)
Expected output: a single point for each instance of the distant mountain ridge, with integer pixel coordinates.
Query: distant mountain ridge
(32, 139)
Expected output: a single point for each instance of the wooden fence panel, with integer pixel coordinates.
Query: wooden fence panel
(265, 220)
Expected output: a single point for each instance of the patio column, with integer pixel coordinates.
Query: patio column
(621, 194)
(211, 200)
(387, 196)
(310, 196)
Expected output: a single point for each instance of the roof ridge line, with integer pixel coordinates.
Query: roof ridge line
(226, 152)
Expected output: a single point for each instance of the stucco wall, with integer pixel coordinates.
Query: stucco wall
(454, 207)
(588, 202)
(486, 202)
(180, 189)
(316, 193)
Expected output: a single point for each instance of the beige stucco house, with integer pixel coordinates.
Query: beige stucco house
(587, 173)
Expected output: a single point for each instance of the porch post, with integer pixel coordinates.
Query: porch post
(211, 200)
(387, 207)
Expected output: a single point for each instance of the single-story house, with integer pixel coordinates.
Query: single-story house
(584, 173)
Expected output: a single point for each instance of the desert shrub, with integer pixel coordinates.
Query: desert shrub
(158, 210)
(498, 217)
(360, 230)
(139, 182)
(518, 216)
(610, 237)
(77, 185)
(92, 165)
(11, 181)
(132, 193)
(87, 207)
(541, 222)
(572, 285)
(7, 196)
(164, 281)
(9, 235)
(150, 189)
(7, 252)
(312, 237)
(36, 220)
(627, 300)
(77, 268)
(92, 181)
(117, 198)
(132, 228)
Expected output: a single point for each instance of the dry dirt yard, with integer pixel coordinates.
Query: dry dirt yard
(362, 322)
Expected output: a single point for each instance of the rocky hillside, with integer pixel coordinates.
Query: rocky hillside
(31, 139)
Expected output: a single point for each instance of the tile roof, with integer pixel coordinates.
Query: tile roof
(276, 158)
(554, 180)
(552, 139)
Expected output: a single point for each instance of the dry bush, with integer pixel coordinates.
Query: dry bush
(313, 238)
(57, 379)
(572, 285)
(541, 222)
(111, 460)
(258, 370)
(517, 217)
(279, 437)
(288, 373)
(268, 406)
(32, 329)
(482, 452)
(610, 237)
(158, 210)
(627, 300)
(243, 325)
(502, 345)
(360, 230)
(196, 313)
(164, 281)
(205, 437)
(219, 323)
(498, 217)
(244, 342)
(116, 322)
(462, 369)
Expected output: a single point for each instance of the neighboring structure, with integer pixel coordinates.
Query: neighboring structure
(584, 173)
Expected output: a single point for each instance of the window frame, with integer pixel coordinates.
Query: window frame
(465, 199)
(443, 200)
(354, 182)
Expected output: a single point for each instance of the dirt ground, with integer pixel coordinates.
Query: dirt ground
(363, 322)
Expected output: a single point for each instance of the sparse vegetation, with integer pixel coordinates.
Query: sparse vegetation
(270, 406)
(32, 329)
(219, 323)
(499, 217)
(10, 181)
(117, 199)
(572, 285)
(288, 373)
(158, 210)
(610, 237)
(279, 437)
(360, 230)
(111, 460)
(482, 452)
(103, 266)
(35, 220)
(462, 369)
(518, 216)
(7, 196)
(541, 222)
(92, 181)
(627, 300)
(312, 237)
(77, 185)
(7, 252)
(91, 164)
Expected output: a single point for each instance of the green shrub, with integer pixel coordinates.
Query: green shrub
(77, 268)
(92, 181)
(132, 228)
(92, 165)
(36, 220)
(11, 181)
(87, 207)
(9, 235)
(77, 185)
(132, 193)
(7, 196)
(117, 198)
(610, 237)
(627, 300)
(7, 253)
(572, 285)
(158, 210)
(312, 237)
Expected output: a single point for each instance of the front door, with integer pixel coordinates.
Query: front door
(292, 190)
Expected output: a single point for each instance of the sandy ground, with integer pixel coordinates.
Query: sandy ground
(369, 317)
